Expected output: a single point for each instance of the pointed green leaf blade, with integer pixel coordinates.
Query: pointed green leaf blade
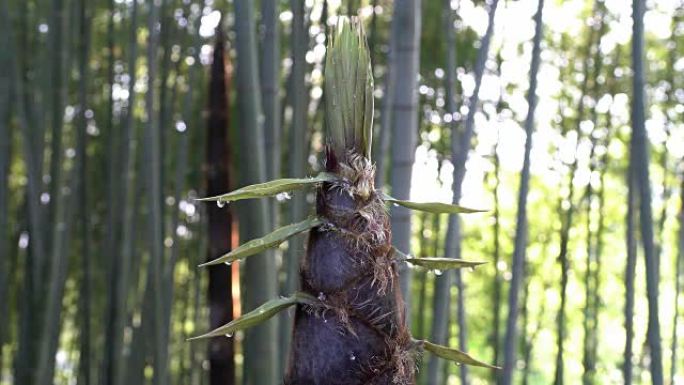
(271, 188)
(432, 207)
(269, 240)
(436, 263)
(443, 263)
(259, 315)
(454, 355)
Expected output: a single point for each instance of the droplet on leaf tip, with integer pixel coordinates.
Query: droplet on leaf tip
(220, 203)
(228, 335)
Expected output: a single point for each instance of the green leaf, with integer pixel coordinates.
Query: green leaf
(432, 207)
(271, 188)
(454, 355)
(259, 315)
(436, 263)
(443, 263)
(269, 240)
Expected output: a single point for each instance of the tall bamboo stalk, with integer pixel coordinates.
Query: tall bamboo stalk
(57, 51)
(119, 265)
(24, 361)
(640, 157)
(498, 279)
(270, 90)
(406, 42)
(155, 200)
(678, 255)
(5, 157)
(521, 232)
(679, 274)
(86, 278)
(630, 272)
(260, 351)
(386, 111)
(298, 154)
(460, 145)
(595, 35)
(587, 322)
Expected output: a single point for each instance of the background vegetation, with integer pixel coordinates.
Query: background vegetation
(112, 120)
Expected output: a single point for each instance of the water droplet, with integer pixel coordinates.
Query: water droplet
(229, 335)
(283, 196)
(180, 126)
(321, 296)
(352, 357)
(24, 240)
(220, 203)
(227, 263)
(438, 272)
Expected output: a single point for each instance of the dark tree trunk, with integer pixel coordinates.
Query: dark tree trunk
(220, 350)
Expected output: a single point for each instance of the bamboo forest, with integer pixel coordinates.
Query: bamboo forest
(341, 192)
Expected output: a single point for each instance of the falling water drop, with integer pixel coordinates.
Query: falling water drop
(352, 357)
(283, 196)
(321, 296)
